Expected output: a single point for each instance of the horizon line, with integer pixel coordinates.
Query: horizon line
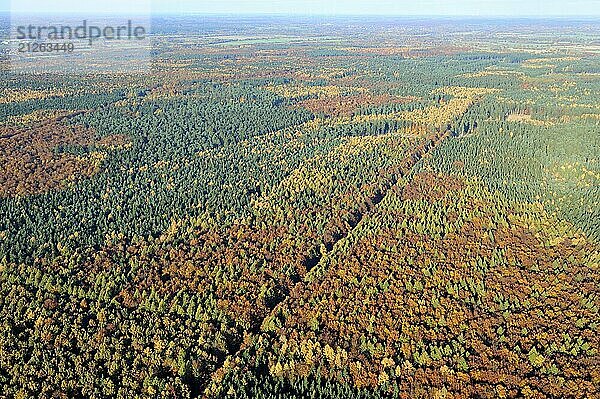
(276, 14)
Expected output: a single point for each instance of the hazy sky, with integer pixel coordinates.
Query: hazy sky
(377, 7)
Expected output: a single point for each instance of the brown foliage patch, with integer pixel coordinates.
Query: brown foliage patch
(29, 163)
(431, 186)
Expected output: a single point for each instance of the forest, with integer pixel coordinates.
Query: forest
(278, 210)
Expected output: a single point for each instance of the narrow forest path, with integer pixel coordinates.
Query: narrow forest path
(406, 165)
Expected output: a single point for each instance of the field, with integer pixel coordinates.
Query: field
(287, 208)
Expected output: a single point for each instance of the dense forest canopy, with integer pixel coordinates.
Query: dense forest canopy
(292, 209)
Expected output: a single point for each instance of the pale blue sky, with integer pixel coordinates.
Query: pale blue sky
(372, 7)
